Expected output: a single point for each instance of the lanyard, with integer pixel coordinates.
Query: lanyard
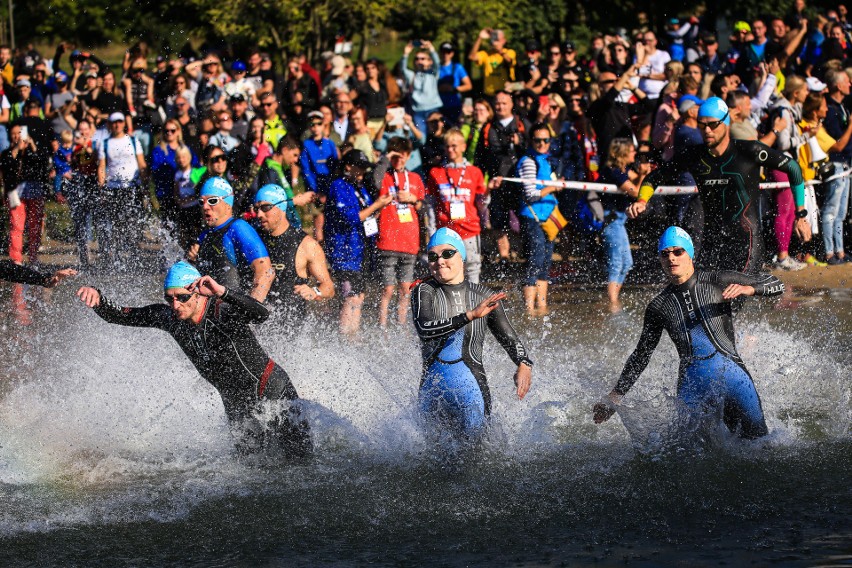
(456, 186)
(396, 181)
(363, 197)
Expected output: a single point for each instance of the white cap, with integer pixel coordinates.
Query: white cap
(116, 117)
(815, 85)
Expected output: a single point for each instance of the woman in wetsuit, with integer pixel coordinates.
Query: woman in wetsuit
(451, 316)
(696, 309)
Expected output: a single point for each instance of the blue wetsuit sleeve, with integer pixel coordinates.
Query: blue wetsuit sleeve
(507, 337)
(236, 306)
(422, 301)
(763, 284)
(307, 169)
(155, 315)
(246, 240)
(652, 330)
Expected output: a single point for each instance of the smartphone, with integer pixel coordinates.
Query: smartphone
(417, 43)
(495, 36)
(25, 132)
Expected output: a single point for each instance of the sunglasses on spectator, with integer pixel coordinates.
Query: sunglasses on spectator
(181, 298)
(713, 124)
(267, 104)
(220, 158)
(224, 118)
(675, 251)
(445, 254)
(267, 207)
(213, 201)
(316, 124)
(169, 130)
(138, 70)
(555, 53)
(541, 140)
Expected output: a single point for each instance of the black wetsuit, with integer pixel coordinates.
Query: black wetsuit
(226, 353)
(699, 322)
(282, 252)
(453, 388)
(728, 187)
(22, 275)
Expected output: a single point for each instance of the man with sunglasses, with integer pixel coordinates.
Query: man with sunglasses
(274, 128)
(230, 249)
(727, 173)
(296, 257)
(451, 316)
(210, 323)
(696, 310)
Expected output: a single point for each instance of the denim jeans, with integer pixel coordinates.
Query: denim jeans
(538, 251)
(833, 211)
(619, 259)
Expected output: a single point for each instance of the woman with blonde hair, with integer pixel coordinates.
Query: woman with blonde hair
(619, 170)
(164, 166)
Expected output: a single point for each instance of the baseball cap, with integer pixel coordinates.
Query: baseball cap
(568, 47)
(815, 85)
(686, 102)
(237, 98)
(238, 66)
(447, 46)
(315, 114)
(23, 83)
(61, 77)
(742, 26)
(532, 45)
(116, 117)
(356, 158)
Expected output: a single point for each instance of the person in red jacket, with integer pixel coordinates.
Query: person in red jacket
(399, 229)
(457, 189)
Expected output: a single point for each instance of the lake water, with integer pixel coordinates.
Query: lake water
(113, 451)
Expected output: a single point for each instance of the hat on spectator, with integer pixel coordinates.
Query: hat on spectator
(447, 46)
(568, 47)
(815, 85)
(315, 114)
(238, 66)
(274, 194)
(92, 74)
(714, 107)
(338, 65)
(672, 21)
(180, 275)
(686, 102)
(742, 26)
(116, 117)
(237, 98)
(23, 83)
(61, 77)
(218, 187)
(356, 158)
(76, 54)
(676, 237)
(446, 236)
(532, 46)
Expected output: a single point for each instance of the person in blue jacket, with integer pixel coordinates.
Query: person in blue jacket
(351, 226)
(537, 204)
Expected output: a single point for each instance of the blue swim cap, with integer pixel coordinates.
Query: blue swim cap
(274, 194)
(181, 275)
(677, 237)
(217, 186)
(447, 236)
(715, 108)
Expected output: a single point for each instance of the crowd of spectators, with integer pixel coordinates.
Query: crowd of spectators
(373, 159)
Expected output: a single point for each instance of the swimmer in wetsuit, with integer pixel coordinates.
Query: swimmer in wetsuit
(695, 309)
(296, 257)
(452, 316)
(727, 173)
(211, 325)
(22, 275)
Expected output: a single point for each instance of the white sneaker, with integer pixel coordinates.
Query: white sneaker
(790, 263)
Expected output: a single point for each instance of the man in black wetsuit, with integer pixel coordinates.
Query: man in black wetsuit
(695, 309)
(296, 257)
(22, 275)
(727, 173)
(211, 324)
(451, 316)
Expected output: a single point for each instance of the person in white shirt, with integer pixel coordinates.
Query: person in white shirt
(652, 77)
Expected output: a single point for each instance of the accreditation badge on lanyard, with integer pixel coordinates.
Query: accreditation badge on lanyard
(403, 210)
(457, 206)
(371, 226)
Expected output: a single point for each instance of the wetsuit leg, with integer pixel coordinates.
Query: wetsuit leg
(743, 411)
(450, 393)
(288, 430)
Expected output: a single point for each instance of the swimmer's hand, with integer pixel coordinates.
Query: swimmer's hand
(192, 252)
(604, 409)
(523, 380)
(60, 275)
(89, 296)
(206, 286)
(636, 208)
(736, 290)
(487, 306)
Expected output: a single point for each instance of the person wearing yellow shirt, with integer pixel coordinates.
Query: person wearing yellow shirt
(496, 64)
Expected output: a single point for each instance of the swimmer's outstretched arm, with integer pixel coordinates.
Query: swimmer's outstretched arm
(737, 284)
(652, 330)
(422, 308)
(508, 338)
(154, 315)
(23, 275)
